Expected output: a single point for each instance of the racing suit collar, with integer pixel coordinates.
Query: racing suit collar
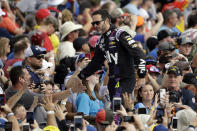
(109, 30)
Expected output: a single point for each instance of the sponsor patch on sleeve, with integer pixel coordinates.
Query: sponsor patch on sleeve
(131, 42)
(134, 45)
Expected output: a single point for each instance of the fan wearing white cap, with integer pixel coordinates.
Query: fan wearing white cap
(34, 57)
(52, 7)
(69, 32)
(55, 2)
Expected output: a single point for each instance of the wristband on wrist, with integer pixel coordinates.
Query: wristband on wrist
(63, 103)
(10, 114)
(50, 112)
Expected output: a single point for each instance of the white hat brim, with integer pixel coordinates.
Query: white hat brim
(76, 27)
(55, 2)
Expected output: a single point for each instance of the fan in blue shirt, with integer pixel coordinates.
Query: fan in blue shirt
(90, 102)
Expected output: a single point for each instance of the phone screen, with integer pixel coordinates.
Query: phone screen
(162, 93)
(128, 119)
(78, 122)
(142, 111)
(25, 127)
(8, 126)
(159, 115)
(160, 112)
(72, 128)
(30, 117)
(116, 103)
(174, 124)
(2, 99)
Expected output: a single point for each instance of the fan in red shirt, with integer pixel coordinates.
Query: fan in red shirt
(181, 4)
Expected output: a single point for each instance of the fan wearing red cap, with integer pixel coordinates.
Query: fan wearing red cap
(153, 71)
(47, 24)
(104, 118)
(41, 15)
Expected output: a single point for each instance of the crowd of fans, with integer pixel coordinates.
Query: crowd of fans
(46, 43)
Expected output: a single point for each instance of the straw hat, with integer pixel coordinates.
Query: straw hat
(184, 118)
(68, 27)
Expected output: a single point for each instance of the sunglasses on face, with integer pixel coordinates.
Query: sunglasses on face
(39, 57)
(96, 22)
(75, 31)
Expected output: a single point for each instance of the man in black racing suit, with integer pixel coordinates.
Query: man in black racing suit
(121, 52)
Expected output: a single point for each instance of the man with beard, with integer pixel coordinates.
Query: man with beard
(117, 17)
(33, 62)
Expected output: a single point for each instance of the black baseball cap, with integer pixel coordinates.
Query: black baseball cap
(174, 70)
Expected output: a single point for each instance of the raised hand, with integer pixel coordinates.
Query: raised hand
(160, 16)
(48, 103)
(76, 84)
(129, 103)
(122, 111)
(59, 113)
(6, 108)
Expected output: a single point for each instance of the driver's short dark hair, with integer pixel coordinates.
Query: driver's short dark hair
(104, 14)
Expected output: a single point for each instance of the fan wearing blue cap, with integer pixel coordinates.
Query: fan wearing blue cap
(33, 61)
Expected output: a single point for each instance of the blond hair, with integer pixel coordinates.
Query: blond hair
(3, 42)
(67, 16)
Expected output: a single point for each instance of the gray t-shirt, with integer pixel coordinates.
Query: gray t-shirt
(26, 99)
